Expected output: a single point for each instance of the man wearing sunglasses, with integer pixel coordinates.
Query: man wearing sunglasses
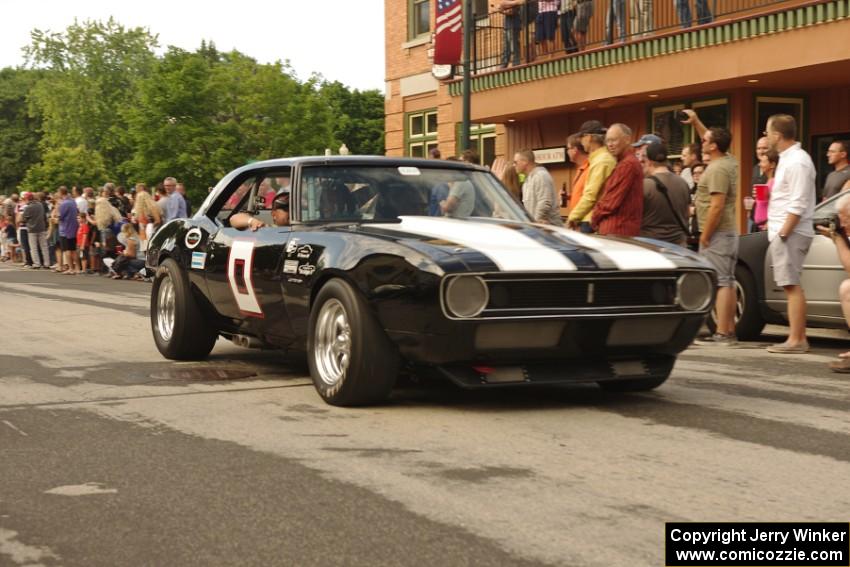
(280, 214)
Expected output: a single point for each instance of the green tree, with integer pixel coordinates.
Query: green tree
(174, 128)
(66, 166)
(358, 118)
(201, 114)
(20, 133)
(91, 73)
(269, 111)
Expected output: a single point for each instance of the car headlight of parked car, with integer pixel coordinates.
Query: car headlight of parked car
(466, 296)
(694, 291)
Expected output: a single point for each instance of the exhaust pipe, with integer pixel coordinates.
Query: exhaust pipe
(245, 341)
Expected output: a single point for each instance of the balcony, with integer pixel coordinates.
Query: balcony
(666, 28)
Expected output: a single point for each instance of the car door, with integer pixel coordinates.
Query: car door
(244, 277)
(245, 267)
(822, 274)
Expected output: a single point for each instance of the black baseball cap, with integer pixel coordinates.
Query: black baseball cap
(656, 151)
(281, 200)
(592, 127)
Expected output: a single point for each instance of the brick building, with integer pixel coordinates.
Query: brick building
(736, 63)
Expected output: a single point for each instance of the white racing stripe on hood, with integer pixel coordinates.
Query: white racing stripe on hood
(625, 256)
(509, 249)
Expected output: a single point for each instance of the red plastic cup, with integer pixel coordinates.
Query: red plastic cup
(760, 191)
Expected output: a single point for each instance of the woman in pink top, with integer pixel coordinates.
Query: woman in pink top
(767, 165)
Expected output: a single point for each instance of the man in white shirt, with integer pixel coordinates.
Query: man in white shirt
(789, 224)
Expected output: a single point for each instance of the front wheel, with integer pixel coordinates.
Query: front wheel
(179, 329)
(351, 359)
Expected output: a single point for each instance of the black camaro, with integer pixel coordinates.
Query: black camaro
(430, 264)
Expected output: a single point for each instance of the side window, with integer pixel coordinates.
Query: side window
(271, 186)
(239, 199)
(254, 195)
(827, 209)
(327, 195)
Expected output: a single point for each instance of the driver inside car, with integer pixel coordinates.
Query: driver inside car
(280, 214)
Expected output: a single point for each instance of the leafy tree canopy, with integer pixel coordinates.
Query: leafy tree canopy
(19, 131)
(98, 96)
(66, 166)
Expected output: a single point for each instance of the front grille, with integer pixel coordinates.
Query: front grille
(580, 294)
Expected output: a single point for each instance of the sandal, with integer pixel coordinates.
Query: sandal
(842, 365)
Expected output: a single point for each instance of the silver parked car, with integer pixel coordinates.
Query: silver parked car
(760, 301)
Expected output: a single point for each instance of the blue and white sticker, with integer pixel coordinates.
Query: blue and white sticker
(199, 260)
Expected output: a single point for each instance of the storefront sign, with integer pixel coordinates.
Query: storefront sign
(551, 155)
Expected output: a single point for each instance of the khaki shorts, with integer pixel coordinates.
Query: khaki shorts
(722, 252)
(787, 257)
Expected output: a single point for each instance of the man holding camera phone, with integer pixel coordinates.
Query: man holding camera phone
(715, 207)
(836, 232)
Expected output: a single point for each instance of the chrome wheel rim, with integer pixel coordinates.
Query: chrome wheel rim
(333, 342)
(165, 309)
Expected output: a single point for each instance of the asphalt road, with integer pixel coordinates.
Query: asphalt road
(110, 455)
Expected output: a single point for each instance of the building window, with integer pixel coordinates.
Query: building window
(419, 18)
(482, 137)
(767, 106)
(421, 133)
(665, 122)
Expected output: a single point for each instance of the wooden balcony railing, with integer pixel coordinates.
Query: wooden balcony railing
(521, 35)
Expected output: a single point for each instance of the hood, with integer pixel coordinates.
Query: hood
(493, 245)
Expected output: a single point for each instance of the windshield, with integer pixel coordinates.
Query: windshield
(381, 194)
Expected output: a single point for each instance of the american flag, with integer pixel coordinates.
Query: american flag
(448, 35)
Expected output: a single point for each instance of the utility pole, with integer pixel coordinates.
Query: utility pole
(468, 26)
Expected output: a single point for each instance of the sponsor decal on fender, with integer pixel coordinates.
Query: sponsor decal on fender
(305, 251)
(290, 267)
(193, 237)
(199, 260)
(307, 270)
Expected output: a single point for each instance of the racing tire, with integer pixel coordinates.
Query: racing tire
(178, 325)
(638, 385)
(352, 361)
(748, 320)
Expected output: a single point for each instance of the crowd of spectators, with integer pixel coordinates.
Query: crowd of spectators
(570, 20)
(625, 188)
(83, 231)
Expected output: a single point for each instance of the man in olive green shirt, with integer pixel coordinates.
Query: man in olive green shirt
(716, 198)
(601, 164)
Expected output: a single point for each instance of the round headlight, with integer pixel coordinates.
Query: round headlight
(694, 291)
(466, 296)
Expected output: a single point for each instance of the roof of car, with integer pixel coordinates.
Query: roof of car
(338, 161)
(362, 160)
